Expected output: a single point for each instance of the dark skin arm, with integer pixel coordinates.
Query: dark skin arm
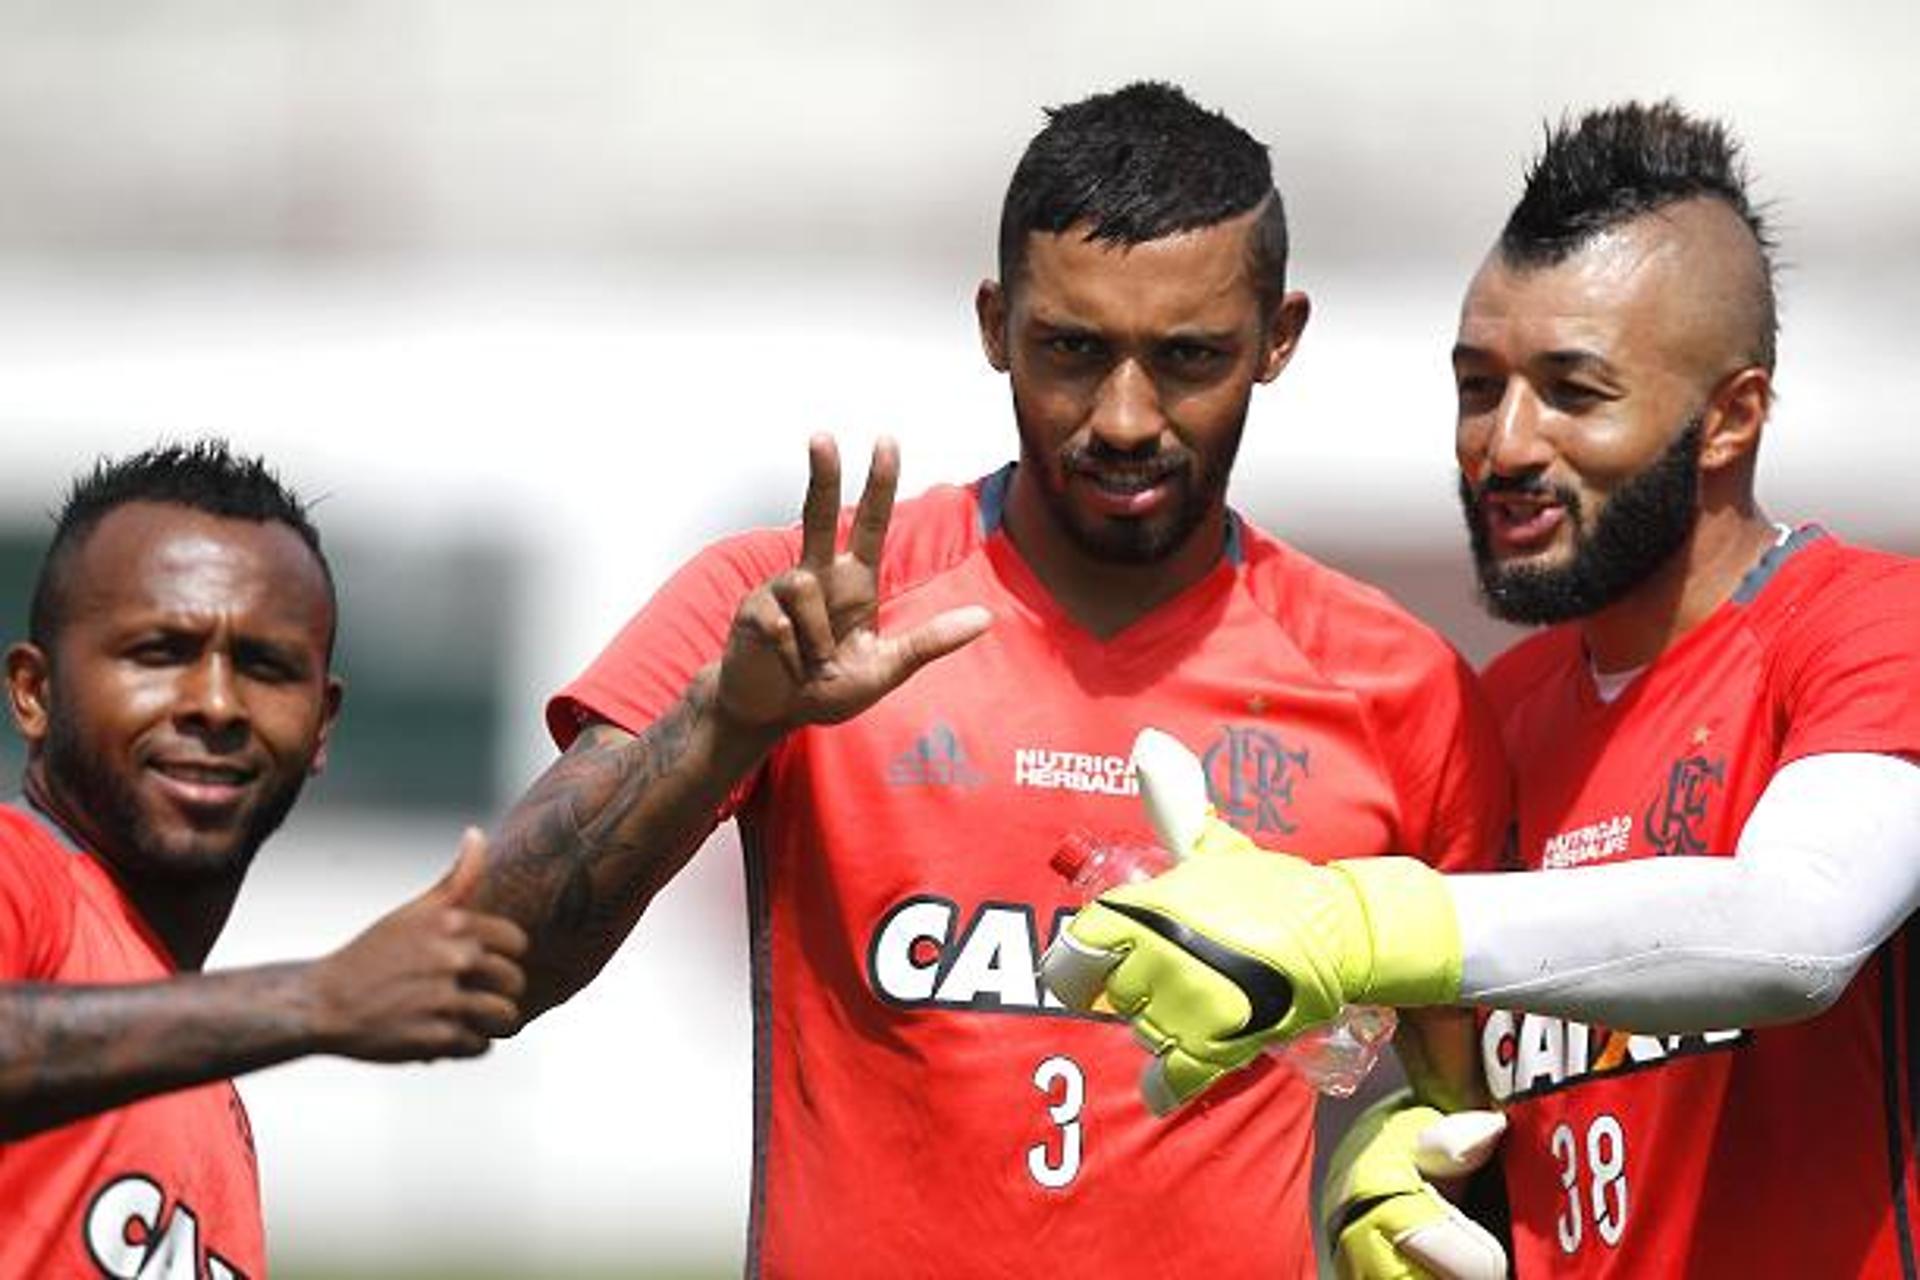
(581, 855)
(431, 979)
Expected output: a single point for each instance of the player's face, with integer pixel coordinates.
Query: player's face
(1132, 368)
(187, 696)
(1578, 432)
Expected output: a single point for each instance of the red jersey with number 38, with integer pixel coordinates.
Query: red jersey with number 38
(1784, 1151)
(923, 1108)
(164, 1187)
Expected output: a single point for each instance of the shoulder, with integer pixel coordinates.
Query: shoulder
(935, 530)
(1826, 592)
(1530, 664)
(1345, 627)
(37, 894)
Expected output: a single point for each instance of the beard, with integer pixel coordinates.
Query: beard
(1641, 526)
(140, 849)
(1198, 479)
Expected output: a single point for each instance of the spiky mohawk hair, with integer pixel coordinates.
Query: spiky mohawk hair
(1621, 162)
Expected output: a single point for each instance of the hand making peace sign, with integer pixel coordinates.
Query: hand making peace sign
(803, 648)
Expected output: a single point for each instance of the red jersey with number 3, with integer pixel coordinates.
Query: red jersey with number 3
(1783, 1151)
(164, 1187)
(923, 1107)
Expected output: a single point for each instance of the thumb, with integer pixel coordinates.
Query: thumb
(1459, 1143)
(937, 637)
(463, 877)
(1173, 787)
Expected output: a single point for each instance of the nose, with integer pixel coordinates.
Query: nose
(1126, 412)
(1508, 440)
(210, 697)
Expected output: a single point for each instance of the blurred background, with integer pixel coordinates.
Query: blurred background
(536, 299)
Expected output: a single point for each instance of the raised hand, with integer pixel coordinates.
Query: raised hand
(432, 979)
(803, 648)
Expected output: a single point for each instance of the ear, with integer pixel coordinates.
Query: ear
(329, 714)
(1730, 429)
(990, 308)
(1284, 327)
(27, 691)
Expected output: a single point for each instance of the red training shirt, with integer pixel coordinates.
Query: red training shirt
(922, 1106)
(1782, 1151)
(162, 1187)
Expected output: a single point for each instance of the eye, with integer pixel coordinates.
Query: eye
(160, 650)
(269, 665)
(1074, 346)
(1191, 357)
(1478, 392)
(1573, 397)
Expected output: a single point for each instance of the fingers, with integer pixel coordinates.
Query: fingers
(1175, 1077)
(1076, 972)
(808, 634)
(937, 637)
(495, 974)
(498, 935)
(1455, 1247)
(820, 515)
(1459, 1143)
(870, 519)
(490, 1015)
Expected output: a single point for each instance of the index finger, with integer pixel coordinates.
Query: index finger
(820, 516)
(870, 519)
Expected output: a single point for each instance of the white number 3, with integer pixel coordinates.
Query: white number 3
(1065, 1087)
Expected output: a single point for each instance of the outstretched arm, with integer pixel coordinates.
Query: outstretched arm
(433, 979)
(581, 855)
(1827, 866)
(1772, 934)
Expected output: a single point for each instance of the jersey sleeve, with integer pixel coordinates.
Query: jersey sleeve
(653, 659)
(680, 630)
(36, 904)
(1849, 671)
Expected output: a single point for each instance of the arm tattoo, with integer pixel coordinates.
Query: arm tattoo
(604, 829)
(73, 1051)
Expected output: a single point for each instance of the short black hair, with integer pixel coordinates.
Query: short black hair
(204, 475)
(1137, 164)
(1620, 162)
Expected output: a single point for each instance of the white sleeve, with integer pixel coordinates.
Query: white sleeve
(1826, 868)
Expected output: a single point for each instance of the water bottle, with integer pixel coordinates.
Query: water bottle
(1333, 1058)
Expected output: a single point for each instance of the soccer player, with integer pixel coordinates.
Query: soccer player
(1696, 1007)
(921, 1106)
(174, 696)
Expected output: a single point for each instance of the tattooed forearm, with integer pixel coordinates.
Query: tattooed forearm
(68, 1052)
(604, 829)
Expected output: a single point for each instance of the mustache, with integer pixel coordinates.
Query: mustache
(1151, 462)
(1535, 487)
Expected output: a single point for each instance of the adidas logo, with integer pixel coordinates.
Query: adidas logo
(936, 759)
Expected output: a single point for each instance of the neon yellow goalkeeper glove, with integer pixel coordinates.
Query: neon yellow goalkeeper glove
(1384, 1219)
(1238, 947)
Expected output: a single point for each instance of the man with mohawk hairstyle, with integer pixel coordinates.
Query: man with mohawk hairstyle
(1694, 1004)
